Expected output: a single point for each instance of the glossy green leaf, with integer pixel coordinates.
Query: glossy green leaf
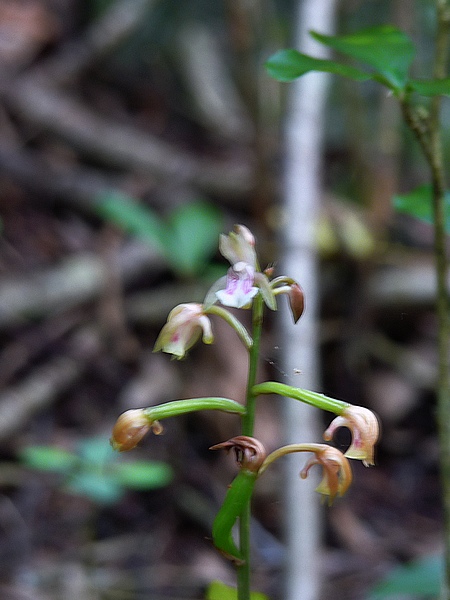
(287, 65)
(134, 218)
(418, 204)
(385, 48)
(143, 475)
(420, 578)
(220, 591)
(194, 229)
(430, 87)
(48, 458)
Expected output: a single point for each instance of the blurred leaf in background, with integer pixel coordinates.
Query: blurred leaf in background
(187, 238)
(419, 204)
(96, 471)
(419, 579)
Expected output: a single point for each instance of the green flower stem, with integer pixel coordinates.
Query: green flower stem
(181, 407)
(289, 449)
(440, 70)
(248, 421)
(319, 400)
(233, 322)
(428, 133)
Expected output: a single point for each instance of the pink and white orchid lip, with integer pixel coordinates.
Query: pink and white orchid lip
(185, 324)
(239, 290)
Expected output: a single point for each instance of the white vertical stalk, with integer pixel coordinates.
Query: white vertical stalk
(304, 135)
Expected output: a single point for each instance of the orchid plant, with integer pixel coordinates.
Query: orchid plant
(247, 287)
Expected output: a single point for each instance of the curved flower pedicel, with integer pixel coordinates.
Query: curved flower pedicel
(134, 424)
(363, 424)
(337, 474)
(185, 324)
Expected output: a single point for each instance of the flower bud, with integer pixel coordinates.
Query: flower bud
(296, 301)
(130, 428)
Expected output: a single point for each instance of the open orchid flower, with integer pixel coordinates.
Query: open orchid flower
(185, 324)
(243, 280)
(363, 424)
(337, 474)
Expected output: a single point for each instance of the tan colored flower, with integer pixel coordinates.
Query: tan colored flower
(363, 424)
(337, 474)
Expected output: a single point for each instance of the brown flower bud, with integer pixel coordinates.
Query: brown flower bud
(130, 428)
(296, 301)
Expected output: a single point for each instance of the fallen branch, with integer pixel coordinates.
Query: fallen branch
(119, 145)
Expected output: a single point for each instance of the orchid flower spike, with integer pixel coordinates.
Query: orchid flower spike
(363, 424)
(185, 324)
(131, 427)
(337, 474)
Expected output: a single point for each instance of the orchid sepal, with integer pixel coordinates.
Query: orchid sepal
(365, 430)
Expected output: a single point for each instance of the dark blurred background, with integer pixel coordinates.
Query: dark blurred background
(131, 134)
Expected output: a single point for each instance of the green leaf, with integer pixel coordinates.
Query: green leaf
(96, 486)
(220, 591)
(420, 578)
(96, 451)
(143, 475)
(419, 203)
(134, 218)
(48, 458)
(194, 230)
(430, 87)
(385, 48)
(287, 65)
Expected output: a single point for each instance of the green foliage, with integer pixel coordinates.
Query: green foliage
(140, 221)
(419, 579)
(187, 238)
(287, 65)
(193, 232)
(96, 471)
(418, 204)
(386, 50)
(220, 591)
